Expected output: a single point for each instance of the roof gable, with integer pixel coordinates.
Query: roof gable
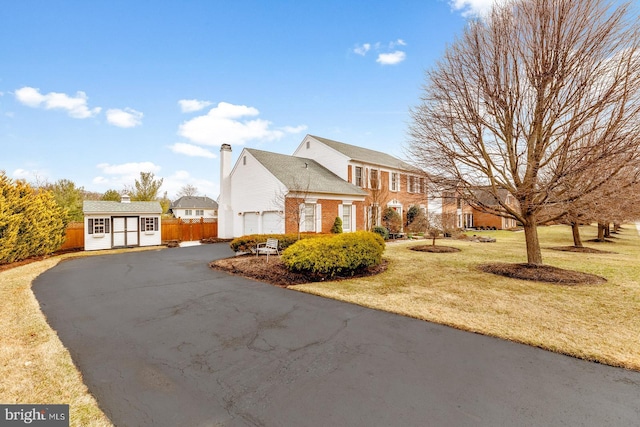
(194, 202)
(365, 155)
(302, 174)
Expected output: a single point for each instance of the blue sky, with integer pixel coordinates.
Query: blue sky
(97, 91)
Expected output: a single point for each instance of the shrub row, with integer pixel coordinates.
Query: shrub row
(341, 254)
(249, 242)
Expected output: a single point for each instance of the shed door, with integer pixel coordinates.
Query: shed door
(250, 223)
(125, 231)
(272, 223)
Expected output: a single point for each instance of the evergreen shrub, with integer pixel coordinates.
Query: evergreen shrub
(250, 241)
(341, 254)
(31, 222)
(382, 231)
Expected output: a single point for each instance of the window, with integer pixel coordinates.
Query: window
(358, 176)
(395, 181)
(415, 184)
(199, 212)
(309, 217)
(244, 160)
(375, 182)
(98, 225)
(308, 144)
(149, 224)
(188, 212)
(346, 218)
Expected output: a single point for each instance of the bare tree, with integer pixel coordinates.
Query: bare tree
(526, 99)
(290, 201)
(188, 190)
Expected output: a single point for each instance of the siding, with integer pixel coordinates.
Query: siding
(329, 158)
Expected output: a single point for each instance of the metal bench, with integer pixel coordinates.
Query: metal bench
(269, 247)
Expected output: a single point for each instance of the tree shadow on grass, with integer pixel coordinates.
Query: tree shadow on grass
(434, 249)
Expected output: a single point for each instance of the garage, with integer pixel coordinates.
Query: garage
(272, 223)
(250, 223)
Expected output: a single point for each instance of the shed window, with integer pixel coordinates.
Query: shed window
(98, 225)
(149, 223)
(199, 212)
(188, 212)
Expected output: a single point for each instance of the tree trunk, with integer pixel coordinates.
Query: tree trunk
(616, 227)
(575, 229)
(607, 230)
(534, 255)
(600, 232)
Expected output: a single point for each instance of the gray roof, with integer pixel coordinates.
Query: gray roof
(366, 155)
(301, 174)
(194, 202)
(100, 206)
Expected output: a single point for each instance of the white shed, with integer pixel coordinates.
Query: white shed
(121, 224)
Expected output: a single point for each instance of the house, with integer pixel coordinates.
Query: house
(482, 213)
(195, 207)
(266, 192)
(121, 224)
(389, 182)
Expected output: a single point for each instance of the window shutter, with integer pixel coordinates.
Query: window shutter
(340, 211)
(318, 218)
(155, 224)
(107, 222)
(90, 226)
(353, 217)
(142, 224)
(301, 215)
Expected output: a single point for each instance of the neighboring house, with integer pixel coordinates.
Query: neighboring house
(461, 214)
(194, 207)
(121, 224)
(267, 192)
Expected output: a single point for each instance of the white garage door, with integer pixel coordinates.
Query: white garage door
(250, 223)
(272, 223)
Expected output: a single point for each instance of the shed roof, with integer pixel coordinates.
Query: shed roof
(302, 174)
(194, 202)
(366, 155)
(105, 207)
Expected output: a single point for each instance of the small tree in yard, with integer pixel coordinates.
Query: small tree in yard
(531, 96)
(392, 220)
(337, 226)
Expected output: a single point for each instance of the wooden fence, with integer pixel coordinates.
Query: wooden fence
(172, 229)
(186, 230)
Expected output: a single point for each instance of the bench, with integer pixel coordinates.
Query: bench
(269, 247)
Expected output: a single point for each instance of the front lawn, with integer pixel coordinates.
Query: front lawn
(594, 322)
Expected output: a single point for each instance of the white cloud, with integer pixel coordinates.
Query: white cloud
(471, 8)
(391, 58)
(191, 105)
(126, 118)
(132, 168)
(75, 107)
(173, 183)
(384, 57)
(118, 176)
(229, 123)
(191, 150)
(33, 175)
(362, 49)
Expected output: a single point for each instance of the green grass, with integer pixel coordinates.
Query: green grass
(593, 322)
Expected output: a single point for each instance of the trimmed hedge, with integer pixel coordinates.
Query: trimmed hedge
(382, 231)
(31, 222)
(249, 242)
(341, 254)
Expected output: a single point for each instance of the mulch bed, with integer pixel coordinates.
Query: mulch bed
(275, 273)
(434, 249)
(542, 273)
(583, 250)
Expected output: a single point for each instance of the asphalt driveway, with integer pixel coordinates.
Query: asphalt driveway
(162, 340)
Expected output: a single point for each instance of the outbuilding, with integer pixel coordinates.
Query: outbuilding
(121, 224)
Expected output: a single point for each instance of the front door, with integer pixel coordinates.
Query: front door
(125, 231)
